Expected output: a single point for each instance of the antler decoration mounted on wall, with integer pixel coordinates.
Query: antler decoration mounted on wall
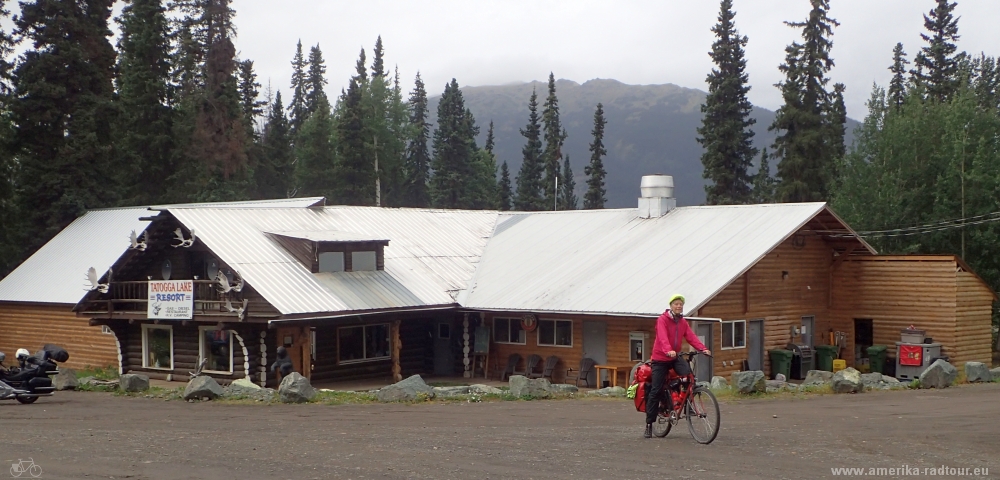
(94, 281)
(136, 244)
(184, 242)
(225, 287)
(238, 311)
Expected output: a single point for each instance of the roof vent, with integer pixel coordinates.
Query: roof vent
(657, 196)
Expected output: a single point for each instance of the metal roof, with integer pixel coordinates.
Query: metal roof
(330, 236)
(431, 256)
(613, 262)
(55, 273)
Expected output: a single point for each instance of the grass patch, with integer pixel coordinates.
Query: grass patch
(153, 392)
(447, 384)
(105, 373)
(333, 397)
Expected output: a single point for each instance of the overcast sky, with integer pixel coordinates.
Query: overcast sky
(637, 42)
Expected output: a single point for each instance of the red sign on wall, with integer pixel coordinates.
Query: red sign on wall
(911, 355)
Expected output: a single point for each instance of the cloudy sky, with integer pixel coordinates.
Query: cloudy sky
(638, 42)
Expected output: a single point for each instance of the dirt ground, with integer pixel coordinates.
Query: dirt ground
(98, 435)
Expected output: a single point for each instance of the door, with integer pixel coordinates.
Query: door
(806, 333)
(444, 360)
(755, 343)
(595, 346)
(703, 368)
(298, 343)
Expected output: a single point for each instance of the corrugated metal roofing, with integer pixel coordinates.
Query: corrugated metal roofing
(612, 262)
(432, 254)
(330, 236)
(55, 273)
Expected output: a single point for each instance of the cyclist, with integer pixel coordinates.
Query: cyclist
(671, 330)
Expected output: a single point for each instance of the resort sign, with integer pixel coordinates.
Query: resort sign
(170, 299)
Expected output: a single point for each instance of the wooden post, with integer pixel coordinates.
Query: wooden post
(465, 348)
(397, 347)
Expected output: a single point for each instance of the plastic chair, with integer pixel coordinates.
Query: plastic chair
(548, 369)
(531, 365)
(512, 362)
(586, 365)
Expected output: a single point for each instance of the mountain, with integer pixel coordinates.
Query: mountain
(651, 129)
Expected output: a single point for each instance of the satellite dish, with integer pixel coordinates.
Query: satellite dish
(213, 269)
(165, 271)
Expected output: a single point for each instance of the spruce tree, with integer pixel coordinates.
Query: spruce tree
(63, 109)
(554, 138)
(10, 217)
(356, 175)
(316, 168)
(249, 93)
(456, 179)
(274, 173)
(529, 179)
(378, 62)
(490, 139)
(417, 166)
(315, 80)
(567, 189)
(298, 110)
(726, 133)
(937, 64)
(836, 119)
(144, 141)
(897, 86)
(803, 140)
(506, 192)
(763, 183)
(594, 198)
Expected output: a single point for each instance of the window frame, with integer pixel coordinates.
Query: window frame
(508, 342)
(201, 350)
(364, 345)
(731, 324)
(555, 335)
(146, 327)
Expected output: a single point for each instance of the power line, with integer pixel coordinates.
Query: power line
(938, 226)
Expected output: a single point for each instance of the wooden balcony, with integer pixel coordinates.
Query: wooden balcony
(131, 299)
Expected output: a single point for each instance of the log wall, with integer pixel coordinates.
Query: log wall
(187, 354)
(31, 325)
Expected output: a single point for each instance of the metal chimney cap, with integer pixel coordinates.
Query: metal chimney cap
(658, 185)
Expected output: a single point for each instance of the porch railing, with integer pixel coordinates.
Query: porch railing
(133, 297)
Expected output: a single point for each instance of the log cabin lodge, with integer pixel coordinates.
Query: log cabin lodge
(369, 292)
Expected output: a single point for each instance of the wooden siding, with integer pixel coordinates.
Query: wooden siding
(973, 321)
(187, 354)
(26, 325)
(764, 292)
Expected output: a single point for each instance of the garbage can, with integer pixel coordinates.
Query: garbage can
(876, 358)
(781, 362)
(824, 357)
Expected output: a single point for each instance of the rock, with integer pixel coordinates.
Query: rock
(65, 380)
(563, 388)
(780, 377)
(410, 388)
(940, 374)
(889, 380)
(244, 388)
(246, 382)
(749, 381)
(133, 382)
(847, 380)
(704, 384)
(977, 372)
(536, 387)
(995, 373)
(445, 392)
(295, 388)
(202, 387)
(871, 380)
(772, 386)
(817, 377)
(609, 392)
(719, 383)
(480, 389)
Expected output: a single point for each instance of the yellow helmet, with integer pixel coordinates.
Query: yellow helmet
(676, 296)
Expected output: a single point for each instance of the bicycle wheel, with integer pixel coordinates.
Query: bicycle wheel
(662, 426)
(35, 471)
(703, 415)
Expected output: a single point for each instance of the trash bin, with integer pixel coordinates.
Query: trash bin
(824, 357)
(876, 358)
(781, 362)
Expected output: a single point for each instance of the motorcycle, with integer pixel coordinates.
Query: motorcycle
(30, 379)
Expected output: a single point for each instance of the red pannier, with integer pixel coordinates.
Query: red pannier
(643, 376)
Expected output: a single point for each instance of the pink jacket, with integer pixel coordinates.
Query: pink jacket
(669, 335)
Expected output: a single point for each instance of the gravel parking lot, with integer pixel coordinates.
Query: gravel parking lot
(98, 435)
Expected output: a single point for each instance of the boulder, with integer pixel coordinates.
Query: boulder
(977, 372)
(202, 387)
(133, 382)
(445, 392)
(608, 392)
(481, 389)
(65, 380)
(410, 388)
(940, 374)
(703, 384)
(295, 388)
(780, 377)
(246, 382)
(563, 388)
(749, 381)
(536, 387)
(847, 380)
(772, 386)
(995, 372)
(719, 383)
(817, 377)
(871, 380)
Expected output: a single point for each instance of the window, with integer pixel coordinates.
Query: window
(158, 346)
(363, 343)
(106, 330)
(331, 262)
(508, 330)
(555, 333)
(444, 330)
(362, 261)
(216, 348)
(734, 334)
